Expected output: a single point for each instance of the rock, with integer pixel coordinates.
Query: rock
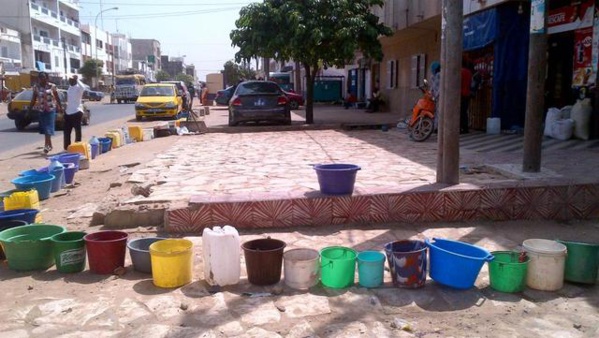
(127, 217)
(143, 190)
(85, 211)
(184, 306)
(115, 184)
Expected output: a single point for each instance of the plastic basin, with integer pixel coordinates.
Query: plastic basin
(582, 262)
(106, 251)
(67, 158)
(26, 215)
(29, 247)
(105, 144)
(40, 182)
(456, 264)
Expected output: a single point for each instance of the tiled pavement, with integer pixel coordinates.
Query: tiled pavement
(251, 179)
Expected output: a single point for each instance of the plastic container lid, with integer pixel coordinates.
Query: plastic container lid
(544, 246)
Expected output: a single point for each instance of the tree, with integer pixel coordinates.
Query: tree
(315, 33)
(185, 78)
(91, 69)
(161, 75)
(233, 72)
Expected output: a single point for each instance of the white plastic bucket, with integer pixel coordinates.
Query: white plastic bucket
(547, 264)
(493, 125)
(302, 268)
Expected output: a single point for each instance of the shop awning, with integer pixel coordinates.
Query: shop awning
(480, 29)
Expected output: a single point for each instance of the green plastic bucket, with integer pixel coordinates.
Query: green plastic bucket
(582, 262)
(507, 274)
(29, 247)
(338, 267)
(69, 251)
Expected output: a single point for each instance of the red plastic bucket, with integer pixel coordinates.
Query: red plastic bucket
(106, 251)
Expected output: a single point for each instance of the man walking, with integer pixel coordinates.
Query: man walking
(192, 93)
(74, 112)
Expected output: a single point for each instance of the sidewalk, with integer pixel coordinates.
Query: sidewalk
(257, 179)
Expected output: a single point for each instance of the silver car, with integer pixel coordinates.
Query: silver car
(259, 101)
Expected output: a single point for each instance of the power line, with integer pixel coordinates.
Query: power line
(160, 15)
(145, 4)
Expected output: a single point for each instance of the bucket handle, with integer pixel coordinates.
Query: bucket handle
(489, 258)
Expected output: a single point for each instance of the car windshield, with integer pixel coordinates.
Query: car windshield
(125, 82)
(157, 91)
(24, 96)
(258, 88)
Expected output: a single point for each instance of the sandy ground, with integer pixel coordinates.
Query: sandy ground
(50, 304)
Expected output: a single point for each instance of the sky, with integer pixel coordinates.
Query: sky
(196, 29)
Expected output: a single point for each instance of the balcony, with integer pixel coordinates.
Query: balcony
(44, 14)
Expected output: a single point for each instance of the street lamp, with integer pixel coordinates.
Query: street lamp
(96, 39)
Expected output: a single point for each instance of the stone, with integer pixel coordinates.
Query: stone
(302, 330)
(304, 305)
(257, 311)
(85, 211)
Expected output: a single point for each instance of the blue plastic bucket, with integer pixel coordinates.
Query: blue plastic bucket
(69, 172)
(105, 144)
(456, 264)
(58, 181)
(28, 172)
(336, 179)
(67, 158)
(40, 182)
(95, 149)
(371, 266)
(26, 215)
(407, 263)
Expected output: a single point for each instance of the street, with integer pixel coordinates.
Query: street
(101, 113)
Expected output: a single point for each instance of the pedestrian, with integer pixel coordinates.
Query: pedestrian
(204, 91)
(350, 100)
(375, 101)
(111, 90)
(436, 88)
(46, 102)
(74, 111)
(465, 93)
(192, 94)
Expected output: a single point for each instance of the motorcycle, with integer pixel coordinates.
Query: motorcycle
(422, 123)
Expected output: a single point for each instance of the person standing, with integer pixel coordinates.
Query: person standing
(436, 88)
(46, 101)
(74, 112)
(465, 94)
(204, 91)
(192, 94)
(375, 101)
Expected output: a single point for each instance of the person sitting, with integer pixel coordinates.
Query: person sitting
(350, 100)
(375, 102)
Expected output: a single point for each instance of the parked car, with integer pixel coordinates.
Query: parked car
(259, 101)
(223, 96)
(295, 100)
(158, 100)
(182, 89)
(93, 95)
(19, 106)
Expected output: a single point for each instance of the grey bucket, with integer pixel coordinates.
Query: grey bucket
(139, 249)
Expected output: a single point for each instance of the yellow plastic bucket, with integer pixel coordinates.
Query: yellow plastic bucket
(172, 261)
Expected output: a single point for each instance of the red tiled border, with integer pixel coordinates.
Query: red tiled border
(494, 204)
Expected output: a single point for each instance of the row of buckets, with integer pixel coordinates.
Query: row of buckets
(544, 265)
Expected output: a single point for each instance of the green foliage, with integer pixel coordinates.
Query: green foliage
(234, 72)
(315, 33)
(161, 75)
(185, 78)
(91, 68)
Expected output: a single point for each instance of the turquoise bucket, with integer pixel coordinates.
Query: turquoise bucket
(371, 266)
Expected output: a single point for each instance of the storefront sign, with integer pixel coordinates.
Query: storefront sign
(537, 17)
(575, 16)
(583, 74)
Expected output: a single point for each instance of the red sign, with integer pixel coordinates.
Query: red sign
(567, 18)
(583, 57)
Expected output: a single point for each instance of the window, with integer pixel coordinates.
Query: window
(418, 70)
(4, 52)
(392, 66)
(56, 61)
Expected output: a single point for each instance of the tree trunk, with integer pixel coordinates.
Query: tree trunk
(310, 75)
(266, 68)
(298, 78)
(448, 160)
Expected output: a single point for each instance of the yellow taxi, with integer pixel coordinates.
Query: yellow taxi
(18, 110)
(158, 100)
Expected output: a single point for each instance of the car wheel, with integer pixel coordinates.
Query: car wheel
(287, 122)
(293, 105)
(85, 120)
(138, 118)
(21, 124)
(118, 101)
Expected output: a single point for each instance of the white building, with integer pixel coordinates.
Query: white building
(97, 44)
(50, 35)
(123, 58)
(10, 47)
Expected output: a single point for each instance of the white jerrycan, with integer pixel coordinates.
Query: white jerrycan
(222, 259)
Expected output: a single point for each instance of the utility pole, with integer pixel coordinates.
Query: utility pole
(64, 50)
(448, 156)
(535, 89)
